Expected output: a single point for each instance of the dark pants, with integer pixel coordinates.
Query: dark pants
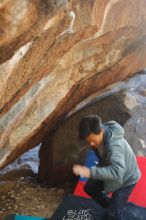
(116, 204)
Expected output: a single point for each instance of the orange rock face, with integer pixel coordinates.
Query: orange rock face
(53, 54)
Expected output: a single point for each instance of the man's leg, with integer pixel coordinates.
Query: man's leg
(118, 203)
(95, 189)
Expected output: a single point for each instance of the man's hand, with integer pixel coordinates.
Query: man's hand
(82, 171)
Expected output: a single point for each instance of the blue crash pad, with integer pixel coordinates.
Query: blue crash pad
(22, 217)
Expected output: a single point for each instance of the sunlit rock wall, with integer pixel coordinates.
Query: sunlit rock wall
(54, 54)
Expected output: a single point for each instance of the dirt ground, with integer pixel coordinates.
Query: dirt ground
(27, 196)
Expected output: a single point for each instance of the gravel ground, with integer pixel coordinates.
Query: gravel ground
(27, 197)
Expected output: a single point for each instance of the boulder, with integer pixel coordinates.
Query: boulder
(54, 54)
(124, 103)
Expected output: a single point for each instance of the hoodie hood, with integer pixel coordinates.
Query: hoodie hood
(112, 131)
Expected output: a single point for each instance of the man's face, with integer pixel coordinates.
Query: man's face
(95, 139)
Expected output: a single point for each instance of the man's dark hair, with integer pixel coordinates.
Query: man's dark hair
(89, 124)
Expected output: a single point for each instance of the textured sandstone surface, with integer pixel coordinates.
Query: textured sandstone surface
(54, 54)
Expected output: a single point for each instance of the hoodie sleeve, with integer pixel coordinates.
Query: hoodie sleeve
(116, 168)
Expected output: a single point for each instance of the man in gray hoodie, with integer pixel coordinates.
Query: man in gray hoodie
(117, 171)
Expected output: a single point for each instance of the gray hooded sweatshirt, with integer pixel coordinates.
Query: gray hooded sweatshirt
(119, 166)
